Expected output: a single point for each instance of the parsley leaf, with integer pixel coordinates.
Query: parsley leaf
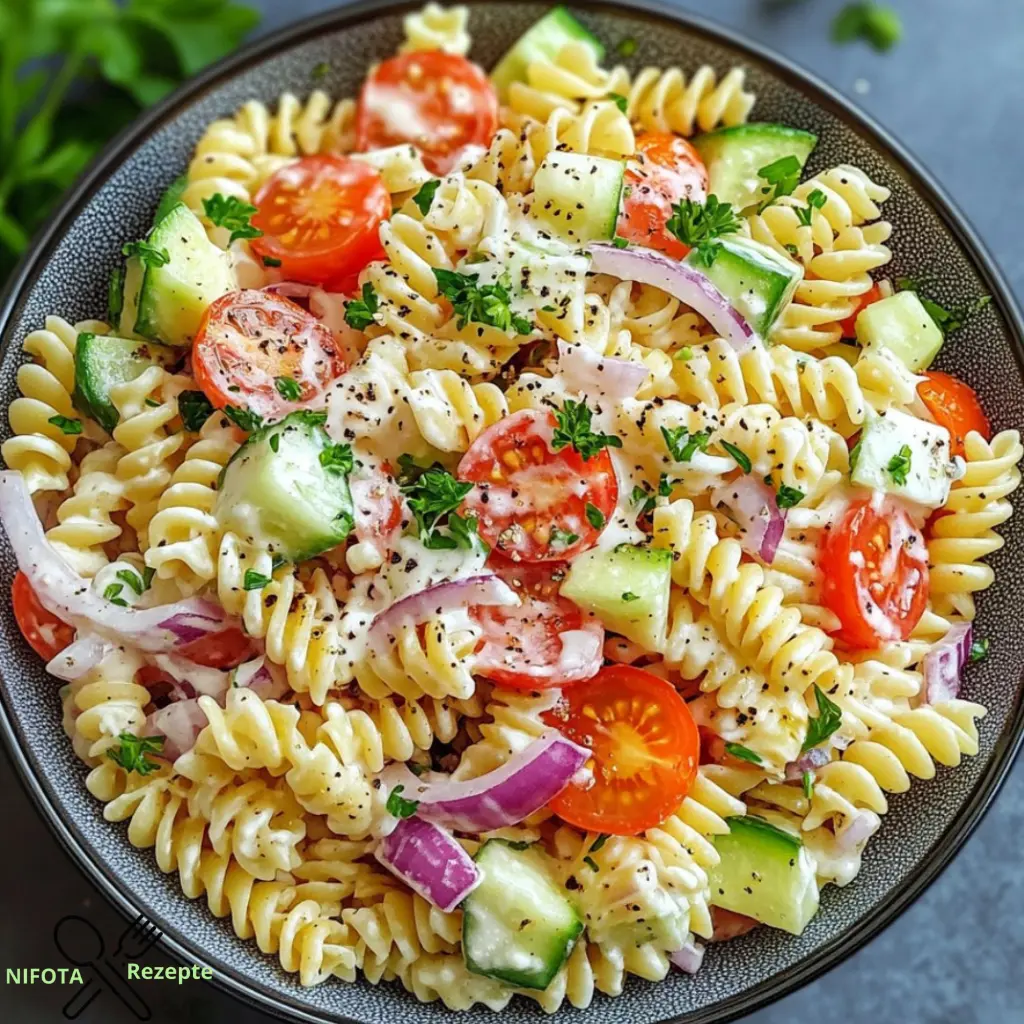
(337, 458)
(628, 595)
(682, 445)
(271, 261)
(599, 842)
(481, 304)
(979, 650)
(684, 355)
(233, 214)
(808, 784)
(194, 408)
(425, 196)
(148, 254)
(741, 457)
(619, 100)
(432, 496)
(131, 752)
(743, 753)
(693, 222)
(619, 242)
(591, 863)
(787, 496)
(707, 252)
(288, 388)
(877, 24)
(815, 201)
(782, 176)
(113, 595)
(595, 516)
(65, 424)
(398, 805)
(133, 579)
(359, 313)
(561, 539)
(830, 718)
(320, 71)
(574, 428)
(899, 465)
(626, 47)
(244, 419)
(254, 580)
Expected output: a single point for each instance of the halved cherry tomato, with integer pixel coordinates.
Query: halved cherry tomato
(665, 170)
(226, 649)
(438, 101)
(46, 634)
(524, 647)
(954, 405)
(875, 568)
(849, 325)
(526, 490)
(645, 750)
(321, 216)
(248, 339)
(729, 925)
(377, 508)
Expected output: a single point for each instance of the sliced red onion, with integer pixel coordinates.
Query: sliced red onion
(87, 651)
(588, 371)
(689, 958)
(523, 784)
(814, 759)
(681, 281)
(180, 724)
(416, 608)
(430, 861)
(191, 678)
(859, 830)
(755, 510)
(944, 663)
(70, 597)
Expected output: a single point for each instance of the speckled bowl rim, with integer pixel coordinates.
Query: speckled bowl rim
(831, 953)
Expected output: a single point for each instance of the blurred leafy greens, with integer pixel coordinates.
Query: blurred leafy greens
(127, 55)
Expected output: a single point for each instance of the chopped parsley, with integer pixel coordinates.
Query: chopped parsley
(619, 242)
(899, 465)
(830, 717)
(743, 753)
(131, 752)
(682, 445)
(149, 255)
(254, 580)
(320, 71)
(244, 419)
(194, 408)
(232, 214)
(561, 539)
(591, 863)
(947, 320)
(398, 805)
(595, 516)
(815, 201)
(271, 261)
(599, 842)
(113, 595)
(741, 458)
(875, 23)
(288, 388)
(65, 424)
(808, 783)
(787, 497)
(359, 313)
(274, 442)
(619, 100)
(433, 497)
(425, 196)
(979, 650)
(646, 499)
(782, 176)
(337, 458)
(627, 47)
(574, 428)
(482, 304)
(628, 596)
(684, 355)
(133, 580)
(695, 223)
(463, 532)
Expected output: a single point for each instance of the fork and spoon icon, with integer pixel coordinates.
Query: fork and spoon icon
(81, 944)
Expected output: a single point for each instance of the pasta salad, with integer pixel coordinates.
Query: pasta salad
(506, 533)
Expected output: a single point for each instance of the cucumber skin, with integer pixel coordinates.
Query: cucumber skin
(521, 979)
(558, 24)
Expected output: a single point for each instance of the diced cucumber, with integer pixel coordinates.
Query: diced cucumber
(765, 873)
(102, 362)
(733, 156)
(627, 588)
(541, 42)
(132, 285)
(904, 456)
(174, 296)
(578, 196)
(277, 492)
(756, 280)
(517, 925)
(901, 324)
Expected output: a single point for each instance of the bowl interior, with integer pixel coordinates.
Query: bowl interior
(69, 277)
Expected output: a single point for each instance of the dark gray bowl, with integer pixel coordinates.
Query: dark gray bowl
(66, 273)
